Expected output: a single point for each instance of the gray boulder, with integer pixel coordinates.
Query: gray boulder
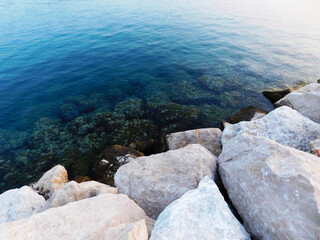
(200, 214)
(283, 125)
(275, 188)
(19, 203)
(305, 100)
(155, 181)
(210, 138)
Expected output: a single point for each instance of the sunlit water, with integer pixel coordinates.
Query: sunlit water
(227, 50)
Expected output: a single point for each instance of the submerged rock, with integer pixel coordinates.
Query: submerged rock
(210, 138)
(201, 213)
(155, 181)
(73, 191)
(275, 95)
(283, 125)
(306, 101)
(111, 159)
(275, 188)
(19, 203)
(51, 181)
(247, 114)
(107, 216)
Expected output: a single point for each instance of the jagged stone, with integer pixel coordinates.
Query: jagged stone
(275, 188)
(155, 181)
(19, 203)
(51, 181)
(201, 213)
(74, 191)
(210, 138)
(283, 125)
(107, 216)
(306, 101)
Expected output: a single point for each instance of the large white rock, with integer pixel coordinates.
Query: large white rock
(200, 214)
(283, 125)
(305, 100)
(74, 191)
(51, 181)
(155, 181)
(19, 203)
(275, 188)
(107, 216)
(210, 138)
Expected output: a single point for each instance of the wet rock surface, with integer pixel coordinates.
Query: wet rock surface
(247, 114)
(155, 181)
(274, 188)
(111, 159)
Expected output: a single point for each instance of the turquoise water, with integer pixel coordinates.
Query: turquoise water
(172, 65)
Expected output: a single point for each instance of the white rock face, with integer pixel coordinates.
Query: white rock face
(275, 188)
(74, 191)
(155, 181)
(305, 100)
(283, 125)
(199, 214)
(19, 203)
(210, 138)
(107, 216)
(51, 181)
(315, 147)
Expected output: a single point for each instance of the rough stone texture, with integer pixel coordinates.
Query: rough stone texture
(74, 191)
(315, 147)
(111, 159)
(275, 188)
(247, 114)
(155, 181)
(107, 216)
(19, 203)
(283, 125)
(201, 213)
(306, 101)
(51, 181)
(210, 138)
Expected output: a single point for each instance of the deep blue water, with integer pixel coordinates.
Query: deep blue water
(209, 58)
(52, 50)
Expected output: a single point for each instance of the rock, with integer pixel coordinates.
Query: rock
(276, 95)
(80, 179)
(111, 159)
(74, 191)
(210, 138)
(283, 125)
(147, 147)
(155, 181)
(107, 216)
(248, 114)
(201, 213)
(275, 188)
(306, 101)
(19, 203)
(315, 147)
(51, 181)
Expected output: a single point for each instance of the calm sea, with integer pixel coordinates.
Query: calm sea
(64, 59)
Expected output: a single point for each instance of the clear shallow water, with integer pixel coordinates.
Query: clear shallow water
(213, 56)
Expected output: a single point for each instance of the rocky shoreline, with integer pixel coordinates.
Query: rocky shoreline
(258, 178)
